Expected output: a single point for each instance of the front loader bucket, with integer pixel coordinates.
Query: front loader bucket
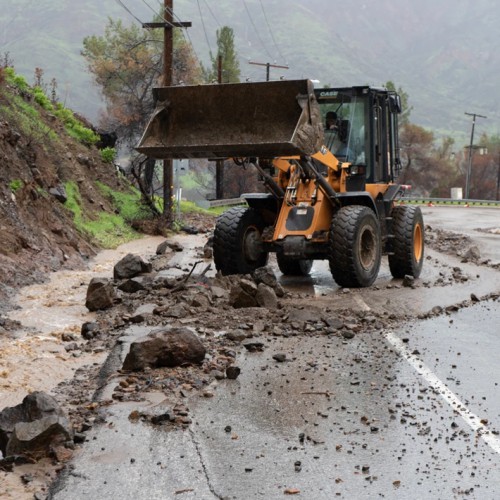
(264, 119)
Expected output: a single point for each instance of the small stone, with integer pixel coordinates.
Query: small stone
(161, 419)
(236, 335)
(89, 330)
(68, 337)
(253, 346)
(409, 281)
(27, 478)
(348, 334)
(233, 372)
(79, 437)
(280, 357)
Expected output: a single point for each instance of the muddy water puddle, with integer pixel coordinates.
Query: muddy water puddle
(35, 358)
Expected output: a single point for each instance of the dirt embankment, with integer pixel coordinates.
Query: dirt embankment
(37, 230)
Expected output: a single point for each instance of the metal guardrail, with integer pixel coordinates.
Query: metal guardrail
(226, 203)
(450, 201)
(412, 199)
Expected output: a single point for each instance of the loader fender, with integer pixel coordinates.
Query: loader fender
(362, 198)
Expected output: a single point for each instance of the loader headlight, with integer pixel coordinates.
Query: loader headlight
(357, 170)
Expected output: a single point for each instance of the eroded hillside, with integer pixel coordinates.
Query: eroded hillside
(49, 179)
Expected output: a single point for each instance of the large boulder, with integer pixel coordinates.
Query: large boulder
(35, 426)
(130, 266)
(167, 347)
(100, 294)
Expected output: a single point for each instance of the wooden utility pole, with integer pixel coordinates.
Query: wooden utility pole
(219, 164)
(168, 50)
(469, 165)
(268, 66)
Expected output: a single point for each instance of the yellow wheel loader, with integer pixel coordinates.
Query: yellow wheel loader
(328, 158)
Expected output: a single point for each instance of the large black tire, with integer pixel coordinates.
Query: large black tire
(354, 247)
(238, 245)
(293, 267)
(408, 242)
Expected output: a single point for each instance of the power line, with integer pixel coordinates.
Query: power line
(204, 29)
(162, 18)
(119, 2)
(173, 25)
(157, 13)
(184, 34)
(271, 32)
(256, 30)
(211, 12)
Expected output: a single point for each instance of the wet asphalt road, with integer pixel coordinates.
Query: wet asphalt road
(406, 414)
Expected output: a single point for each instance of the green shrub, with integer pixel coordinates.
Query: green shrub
(42, 99)
(17, 80)
(74, 127)
(81, 133)
(9, 73)
(26, 108)
(64, 114)
(15, 185)
(108, 155)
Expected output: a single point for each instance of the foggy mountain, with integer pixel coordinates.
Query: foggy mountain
(443, 53)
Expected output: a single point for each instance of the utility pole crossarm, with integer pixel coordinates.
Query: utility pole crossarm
(268, 66)
(172, 24)
(475, 115)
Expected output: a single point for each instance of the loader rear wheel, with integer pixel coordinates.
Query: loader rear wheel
(408, 243)
(238, 247)
(354, 247)
(293, 267)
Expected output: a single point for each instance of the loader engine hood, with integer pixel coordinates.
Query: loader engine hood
(264, 119)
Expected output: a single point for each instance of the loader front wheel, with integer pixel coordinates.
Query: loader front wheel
(293, 267)
(238, 247)
(354, 246)
(407, 255)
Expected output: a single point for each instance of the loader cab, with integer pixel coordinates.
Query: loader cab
(365, 132)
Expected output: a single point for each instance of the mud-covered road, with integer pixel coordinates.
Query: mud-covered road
(400, 402)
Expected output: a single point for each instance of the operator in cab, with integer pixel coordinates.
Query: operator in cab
(336, 136)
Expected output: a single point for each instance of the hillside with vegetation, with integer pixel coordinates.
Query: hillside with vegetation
(61, 197)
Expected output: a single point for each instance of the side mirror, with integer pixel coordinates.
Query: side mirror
(395, 103)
